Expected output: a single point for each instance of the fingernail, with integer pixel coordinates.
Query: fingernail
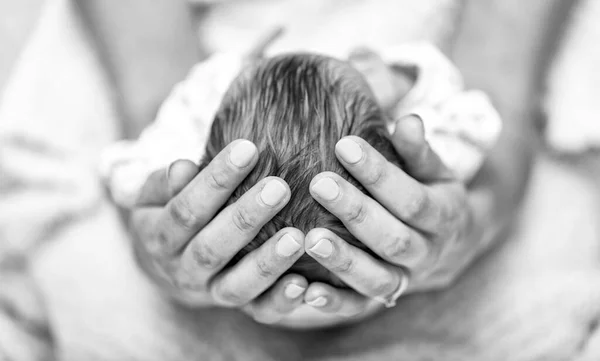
(323, 248)
(327, 189)
(169, 169)
(273, 193)
(293, 291)
(287, 246)
(318, 302)
(242, 153)
(350, 151)
(411, 126)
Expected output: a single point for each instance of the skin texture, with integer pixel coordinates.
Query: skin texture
(295, 107)
(494, 50)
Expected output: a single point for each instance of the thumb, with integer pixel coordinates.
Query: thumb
(420, 161)
(163, 184)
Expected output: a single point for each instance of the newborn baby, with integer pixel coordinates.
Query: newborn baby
(295, 108)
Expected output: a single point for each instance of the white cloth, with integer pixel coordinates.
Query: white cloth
(460, 125)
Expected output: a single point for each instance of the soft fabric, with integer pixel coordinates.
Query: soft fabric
(535, 297)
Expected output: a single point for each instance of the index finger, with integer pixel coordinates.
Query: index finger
(204, 196)
(406, 198)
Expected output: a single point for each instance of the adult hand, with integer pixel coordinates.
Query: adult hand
(183, 240)
(420, 221)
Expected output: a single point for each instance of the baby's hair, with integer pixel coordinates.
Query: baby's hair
(295, 108)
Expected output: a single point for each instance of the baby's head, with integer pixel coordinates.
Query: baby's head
(295, 108)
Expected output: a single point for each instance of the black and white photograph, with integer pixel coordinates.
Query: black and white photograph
(299, 180)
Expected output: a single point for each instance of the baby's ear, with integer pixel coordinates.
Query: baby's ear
(388, 85)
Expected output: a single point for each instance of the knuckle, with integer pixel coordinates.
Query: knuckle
(206, 257)
(229, 297)
(376, 176)
(357, 213)
(188, 285)
(398, 247)
(416, 207)
(244, 220)
(265, 270)
(344, 266)
(218, 181)
(182, 214)
(384, 287)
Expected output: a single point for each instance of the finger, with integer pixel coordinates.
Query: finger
(143, 224)
(155, 191)
(284, 297)
(234, 227)
(259, 269)
(420, 160)
(369, 222)
(162, 185)
(402, 195)
(370, 277)
(201, 199)
(143, 227)
(329, 299)
(179, 174)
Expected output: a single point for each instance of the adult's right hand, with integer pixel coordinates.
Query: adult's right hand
(184, 237)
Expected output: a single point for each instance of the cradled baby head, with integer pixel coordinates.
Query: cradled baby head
(295, 108)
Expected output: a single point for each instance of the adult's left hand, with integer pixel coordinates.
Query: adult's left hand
(421, 221)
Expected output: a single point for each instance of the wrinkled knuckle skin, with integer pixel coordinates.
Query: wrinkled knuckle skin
(205, 257)
(243, 220)
(397, 248)
(218, 181)
(384, 288)
(182, 214)
(376, 176)
(229, 297)
(187, 285)
(357, 214)
(416, 207)
(343, 266)
(265, 270)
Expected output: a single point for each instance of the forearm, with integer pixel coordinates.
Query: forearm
(146, 47)
(502, 49)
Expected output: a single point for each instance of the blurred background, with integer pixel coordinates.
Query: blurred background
(17, 20)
